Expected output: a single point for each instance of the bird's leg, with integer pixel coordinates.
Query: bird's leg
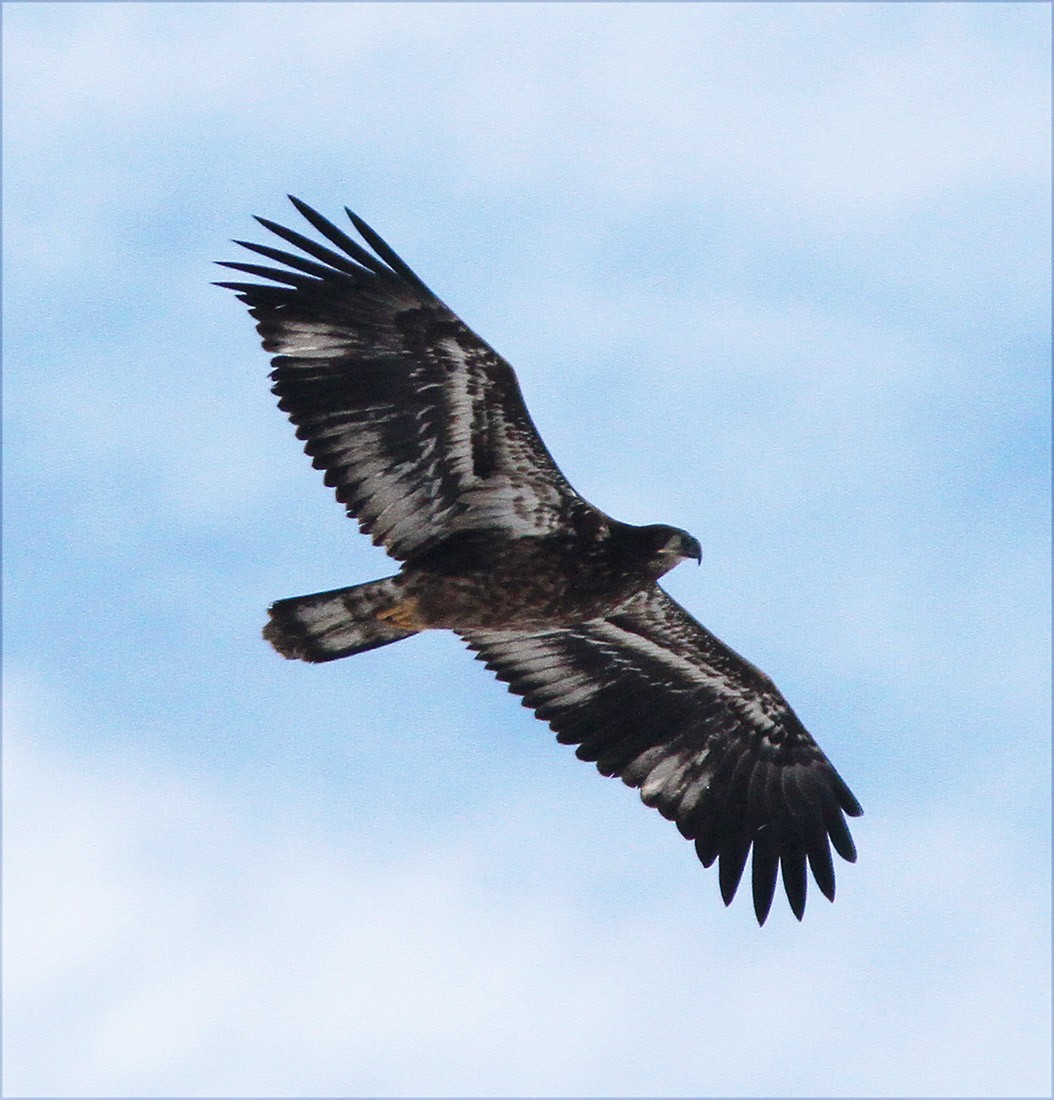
(403, 615)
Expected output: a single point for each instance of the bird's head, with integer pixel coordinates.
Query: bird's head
(670, 546)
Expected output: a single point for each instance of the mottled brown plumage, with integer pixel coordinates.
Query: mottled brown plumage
(421, 429)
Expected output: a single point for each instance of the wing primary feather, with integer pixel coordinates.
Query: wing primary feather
(764, 865)
(301, 282)
(840, 838)
(795, 879)
(339, 238)
(309, 267)
(730, 868)
(734, 834)
(707, 847)
(243, 290)
(846, 798)
(319, 251)
(819, 853)
(384, 250)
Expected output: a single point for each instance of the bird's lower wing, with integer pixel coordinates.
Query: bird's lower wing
(651, 695)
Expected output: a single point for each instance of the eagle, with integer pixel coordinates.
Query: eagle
(421, 429)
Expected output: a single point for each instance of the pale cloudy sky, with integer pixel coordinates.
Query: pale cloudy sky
(775, 273)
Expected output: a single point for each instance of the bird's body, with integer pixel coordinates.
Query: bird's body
(543, 583)
(421, 429)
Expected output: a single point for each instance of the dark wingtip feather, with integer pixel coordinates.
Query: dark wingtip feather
(846, 798)
(822, 867)
(262, 271)
(385, 251)
(730, 868)
(763, 869)
(355, 265)
(366, 231)
(706, 849)
(841, 837)
(339, 238)
(308, 212)
(795, 879)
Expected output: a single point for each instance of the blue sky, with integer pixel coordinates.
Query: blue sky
(778, 274)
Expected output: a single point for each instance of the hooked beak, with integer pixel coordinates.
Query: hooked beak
(690, 548)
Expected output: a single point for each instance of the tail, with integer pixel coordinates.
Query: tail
(334, 624)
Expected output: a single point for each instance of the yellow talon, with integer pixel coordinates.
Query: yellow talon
(403, 615)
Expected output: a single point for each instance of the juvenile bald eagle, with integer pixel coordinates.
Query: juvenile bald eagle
(422, 431)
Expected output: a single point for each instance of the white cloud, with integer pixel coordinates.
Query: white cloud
(882, 110)
(164, 936)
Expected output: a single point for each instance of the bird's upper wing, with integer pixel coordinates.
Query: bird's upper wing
(419, 425)
(652, 696)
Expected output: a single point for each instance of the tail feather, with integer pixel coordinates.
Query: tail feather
(328, 625)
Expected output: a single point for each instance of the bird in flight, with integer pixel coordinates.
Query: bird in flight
(421, 429)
